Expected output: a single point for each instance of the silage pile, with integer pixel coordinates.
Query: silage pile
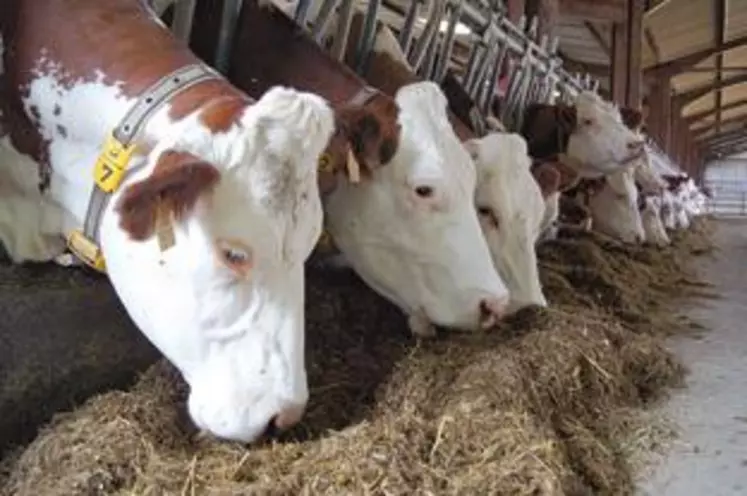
(546, 404)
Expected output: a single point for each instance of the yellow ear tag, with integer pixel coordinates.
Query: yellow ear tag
(164, 228)
(325, 163)
(354, 168)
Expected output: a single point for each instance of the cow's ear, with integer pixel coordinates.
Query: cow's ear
(372, 130)
(547, 177)
(567, 176)
(178, 180)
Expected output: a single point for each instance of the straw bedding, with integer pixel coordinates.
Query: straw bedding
(548, 403)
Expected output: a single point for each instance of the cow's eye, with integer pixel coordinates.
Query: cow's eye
(424, 191)
(234, 255)
(487, 213)
(587, 122)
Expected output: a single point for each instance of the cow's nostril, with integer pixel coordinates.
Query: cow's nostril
(491, 311)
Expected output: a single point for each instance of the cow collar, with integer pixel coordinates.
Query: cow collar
(117, 151)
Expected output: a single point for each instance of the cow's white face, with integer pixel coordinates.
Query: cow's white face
(226, 302)
(668, 211)
(652, 221)
(601, 141)
(511, 209)
(681, 217)
(645, 175)
(412, 232)
(614, 209)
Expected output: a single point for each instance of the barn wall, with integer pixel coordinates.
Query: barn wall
(727, 180)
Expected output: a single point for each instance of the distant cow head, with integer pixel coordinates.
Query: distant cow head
(412, 233)
(215, 230)
(511, 206)
(613, 203)
(591, 132)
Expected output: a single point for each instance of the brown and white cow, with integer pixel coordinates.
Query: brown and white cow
(508, 199)
(206, 237)
(408, 228)
(590, 133)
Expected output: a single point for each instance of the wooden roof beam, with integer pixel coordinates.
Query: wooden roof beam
(595, 10)
(729, 146)
(573, 65)
(673, 67)
(700, 131)
(695, 93)
(730, 150)
(600, 39)
(692, 119)
(719, 8)
(723, 136)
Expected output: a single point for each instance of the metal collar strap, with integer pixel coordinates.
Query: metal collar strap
(118, 149)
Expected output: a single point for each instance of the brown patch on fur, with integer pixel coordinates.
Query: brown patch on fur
(547, 177)
(632, 118)
(178, 180)
(547, 128)
(373, 131)
(220, 114)
(587, 188)
(571, 212)
(117, 38)
(203, 94)
(568, 177)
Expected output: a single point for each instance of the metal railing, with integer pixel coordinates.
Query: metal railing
(534, 73)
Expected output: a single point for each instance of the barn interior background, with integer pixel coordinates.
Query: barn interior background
(684, 62)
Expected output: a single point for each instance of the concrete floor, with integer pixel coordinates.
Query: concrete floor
(710, 456)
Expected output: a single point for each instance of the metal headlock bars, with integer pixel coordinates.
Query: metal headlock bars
(429, 33)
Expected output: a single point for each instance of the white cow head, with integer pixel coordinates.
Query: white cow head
(511, 208)
(652, 221)
(614, 210)
(412, 232)
(600, 140)
(225, 303)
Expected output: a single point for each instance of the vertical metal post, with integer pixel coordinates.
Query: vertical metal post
(343, 30)
(448, 43)
(319, 29)
(184, 11)
(368, 35)
(302, 9)
(405, 35)
(426, 38)
(229, 18)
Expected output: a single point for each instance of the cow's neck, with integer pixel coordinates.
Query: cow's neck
(270, 49)
(68, 93)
